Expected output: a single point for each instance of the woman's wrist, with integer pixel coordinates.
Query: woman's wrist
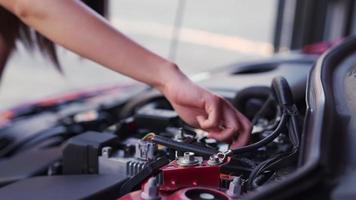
(169, 75)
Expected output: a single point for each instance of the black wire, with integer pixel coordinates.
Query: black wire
(265, 140)
(284, 98)
(185, 147)
(264, 109)
(260, 168)
(255, 172)
(293, 127)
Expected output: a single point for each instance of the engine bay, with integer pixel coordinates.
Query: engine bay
(128, 143)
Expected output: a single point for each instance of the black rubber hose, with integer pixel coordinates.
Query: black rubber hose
(261, 92)
(282, 91)
(294, 130)
(284, 96)
(179, 146)
(266, 108)
(242, 98)
(265, 140)
(260, 168)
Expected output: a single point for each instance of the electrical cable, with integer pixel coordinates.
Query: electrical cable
(264, 109)
(185, 147)
(284, 98)
(265, 140)
(260, 168)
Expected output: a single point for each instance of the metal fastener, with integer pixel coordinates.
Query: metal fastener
(234, 190)
(214, 160)
(188, 159)
(151, 190)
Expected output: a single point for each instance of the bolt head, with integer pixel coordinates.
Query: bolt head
(214, 160)
(189, 156)
(188, 159)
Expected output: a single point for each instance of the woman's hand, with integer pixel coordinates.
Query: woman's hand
(97, 40)
(202, 109)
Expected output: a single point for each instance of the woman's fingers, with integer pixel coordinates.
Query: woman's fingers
(224, 135)
(244, 132)
(203, 109)
(213, 110)
(235, 128)
(228, 128)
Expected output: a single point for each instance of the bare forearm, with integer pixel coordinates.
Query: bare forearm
(70, 24)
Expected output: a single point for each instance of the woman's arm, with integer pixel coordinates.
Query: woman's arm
(72, 25)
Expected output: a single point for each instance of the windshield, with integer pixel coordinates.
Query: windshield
(198, 35)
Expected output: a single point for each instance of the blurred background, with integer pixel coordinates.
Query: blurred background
(212, 34)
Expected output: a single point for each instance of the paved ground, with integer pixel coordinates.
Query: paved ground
(213, 34)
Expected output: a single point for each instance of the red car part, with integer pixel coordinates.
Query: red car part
(175, 177)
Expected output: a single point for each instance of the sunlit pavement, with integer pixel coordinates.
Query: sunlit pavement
(214, 34)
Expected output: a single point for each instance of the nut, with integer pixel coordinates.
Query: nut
(188, 159)
(214, 160)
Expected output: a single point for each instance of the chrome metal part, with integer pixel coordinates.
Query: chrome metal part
(234, 190)
(188, 159)
(151, 190)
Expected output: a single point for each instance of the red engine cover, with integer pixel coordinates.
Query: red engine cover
(175, 177)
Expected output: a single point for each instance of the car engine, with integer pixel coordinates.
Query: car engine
(127, 142)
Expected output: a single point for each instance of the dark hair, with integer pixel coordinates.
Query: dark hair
(11, 29)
